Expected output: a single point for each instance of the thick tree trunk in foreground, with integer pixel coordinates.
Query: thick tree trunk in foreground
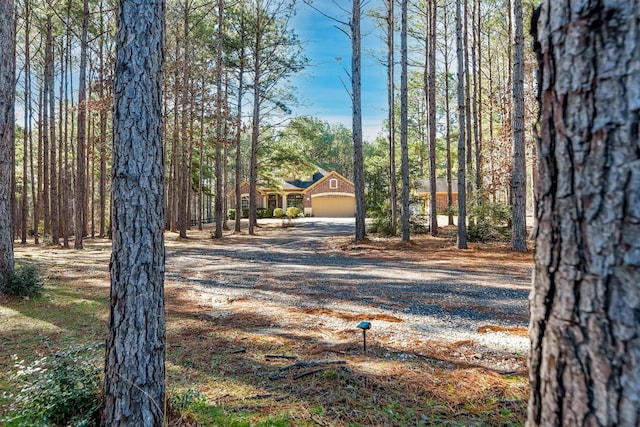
(134, 367)
(585, 334)
(7, 123)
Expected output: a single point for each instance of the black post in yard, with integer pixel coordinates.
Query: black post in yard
(364, 326)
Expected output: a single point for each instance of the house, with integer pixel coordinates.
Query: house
(423, 192)
(326, 194)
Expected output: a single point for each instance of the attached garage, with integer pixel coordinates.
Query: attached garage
(333, 206)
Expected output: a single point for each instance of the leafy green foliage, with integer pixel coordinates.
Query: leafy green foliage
(293, 212)
(278, 213)
(232, 214)
(489, 222)
(26, 281)
(56, 391)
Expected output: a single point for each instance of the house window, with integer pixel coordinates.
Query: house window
(244, 203)
(273, 201)
(295, 200)
(333, 183)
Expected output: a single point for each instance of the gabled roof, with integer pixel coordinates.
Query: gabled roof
(326, 177)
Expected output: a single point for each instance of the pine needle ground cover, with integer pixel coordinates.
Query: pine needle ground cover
(250, 357)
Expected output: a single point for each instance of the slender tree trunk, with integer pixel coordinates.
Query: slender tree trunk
(238, 175)
(432, 115)
(201, 154)
(255, 131)
(477, 102)
(393, 197)
(24, 208)
(102, 191)
(185, 164)
(53, 146)
(447, 114)
(585, 352)
(404, 123)
(44, 118)
(174, 179)
(467, 101)
(7, 138)
(519, 174)
(80, 212)
(134, 391)
(356, 94)
(219, 125)
(462, 185)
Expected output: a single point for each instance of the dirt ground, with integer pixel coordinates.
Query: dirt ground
(296, 292)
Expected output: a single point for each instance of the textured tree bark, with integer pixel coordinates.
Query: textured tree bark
(81, 169)
(134, 365)
(404, 123)
(519, 170)
(462, 182)
(219, 211)
(7, 125)
(585, 333)
(433, 214)
(356, 87)
(393, 187)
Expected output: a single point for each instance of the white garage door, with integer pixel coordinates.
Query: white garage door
(333, 207)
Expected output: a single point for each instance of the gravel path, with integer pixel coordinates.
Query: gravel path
(295, 267)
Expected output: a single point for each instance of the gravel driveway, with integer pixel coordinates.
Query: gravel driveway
(296, 267)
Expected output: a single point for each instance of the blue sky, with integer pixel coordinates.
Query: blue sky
(319, 87)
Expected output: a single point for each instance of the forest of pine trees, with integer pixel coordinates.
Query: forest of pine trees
(230, 117)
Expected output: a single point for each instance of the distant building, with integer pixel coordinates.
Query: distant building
(423, 192)
(326, 194)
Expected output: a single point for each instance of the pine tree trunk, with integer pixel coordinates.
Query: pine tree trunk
(390, 4)
(462, 185)
(134, 389)
(7, 124)
(356, 94)
(447, 118)
(44, 131)
(219, 125)
(102, 190)
(519, 169)
(585, 347)
(53, 166)
(404, 123)
(81, 175)
(433, 223)
(241, 66)
(24, 208)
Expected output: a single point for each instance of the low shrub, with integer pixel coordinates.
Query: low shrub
(232, 214)
(26, 281)
(56, 391)
(293, 212)
(278, 213)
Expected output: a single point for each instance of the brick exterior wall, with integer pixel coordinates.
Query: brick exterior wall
(325, 187)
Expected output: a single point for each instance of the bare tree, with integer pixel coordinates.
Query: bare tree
(585, 353)
(134, 388)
